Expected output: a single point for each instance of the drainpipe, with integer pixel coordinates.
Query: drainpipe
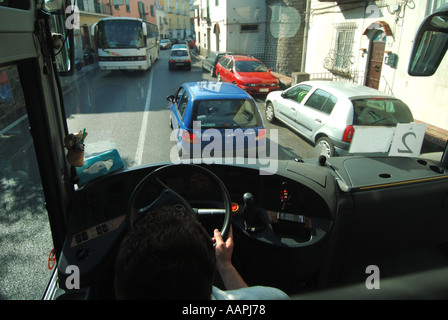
(305, 35)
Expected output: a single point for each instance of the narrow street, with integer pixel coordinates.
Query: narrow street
(128, 111)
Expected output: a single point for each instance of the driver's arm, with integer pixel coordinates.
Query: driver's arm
(223, 251)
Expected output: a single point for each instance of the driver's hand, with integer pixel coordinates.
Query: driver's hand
(223, 250)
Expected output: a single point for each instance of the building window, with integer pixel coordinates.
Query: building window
(341, 58)
(151, 9)
(249, 28)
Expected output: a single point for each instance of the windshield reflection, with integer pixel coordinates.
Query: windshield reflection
(127, 110)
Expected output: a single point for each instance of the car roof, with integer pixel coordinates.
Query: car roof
(239, 57)
(206, 90)
(347, 89)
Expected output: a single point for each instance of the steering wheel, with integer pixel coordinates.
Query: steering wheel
(162, 195)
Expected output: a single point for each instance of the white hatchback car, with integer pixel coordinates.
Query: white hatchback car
(179, 57)
(325, 112)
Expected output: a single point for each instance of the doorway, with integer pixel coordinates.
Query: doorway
(376, 58)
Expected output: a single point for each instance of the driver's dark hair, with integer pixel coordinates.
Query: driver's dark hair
(168, 255)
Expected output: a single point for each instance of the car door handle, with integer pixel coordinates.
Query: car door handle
(293, 109)
(318, 120)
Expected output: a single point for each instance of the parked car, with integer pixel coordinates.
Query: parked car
(209, 63)
(325, 112)
(179, 58)
(191, 43)
(248, 73)
(165, 44)
(220, 106)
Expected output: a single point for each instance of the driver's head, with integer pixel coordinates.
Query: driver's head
(168, 255)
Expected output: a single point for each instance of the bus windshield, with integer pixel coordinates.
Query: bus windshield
(120, 34)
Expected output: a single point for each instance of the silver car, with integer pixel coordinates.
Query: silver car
(325, 112)
(179, 58)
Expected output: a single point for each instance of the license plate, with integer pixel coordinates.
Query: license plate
(264, 90)
(179, 64)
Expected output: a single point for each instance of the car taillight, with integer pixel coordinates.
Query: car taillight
(348, 134)
(171, 60)
(187, 60)
(189, 137)
(261, 135)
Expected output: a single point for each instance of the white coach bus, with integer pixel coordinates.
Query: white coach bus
(126, 43)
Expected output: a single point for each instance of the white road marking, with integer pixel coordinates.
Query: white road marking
(141, 140)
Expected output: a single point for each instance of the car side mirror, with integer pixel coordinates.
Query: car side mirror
(430, 44)
(170, 98)
(270, 69)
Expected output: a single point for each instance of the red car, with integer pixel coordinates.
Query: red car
(191, 43)
(248, 73)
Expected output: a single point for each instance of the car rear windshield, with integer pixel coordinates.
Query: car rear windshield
(380, 112)
(179, 53)
(223, 114)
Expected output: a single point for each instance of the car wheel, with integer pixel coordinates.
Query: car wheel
(325, 146)
(270, 115)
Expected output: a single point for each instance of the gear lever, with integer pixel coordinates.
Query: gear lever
(252, 221)
(249, 211)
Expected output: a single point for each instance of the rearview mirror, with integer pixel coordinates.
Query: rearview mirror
(63, 21)
(170, 98)
(430, 44)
